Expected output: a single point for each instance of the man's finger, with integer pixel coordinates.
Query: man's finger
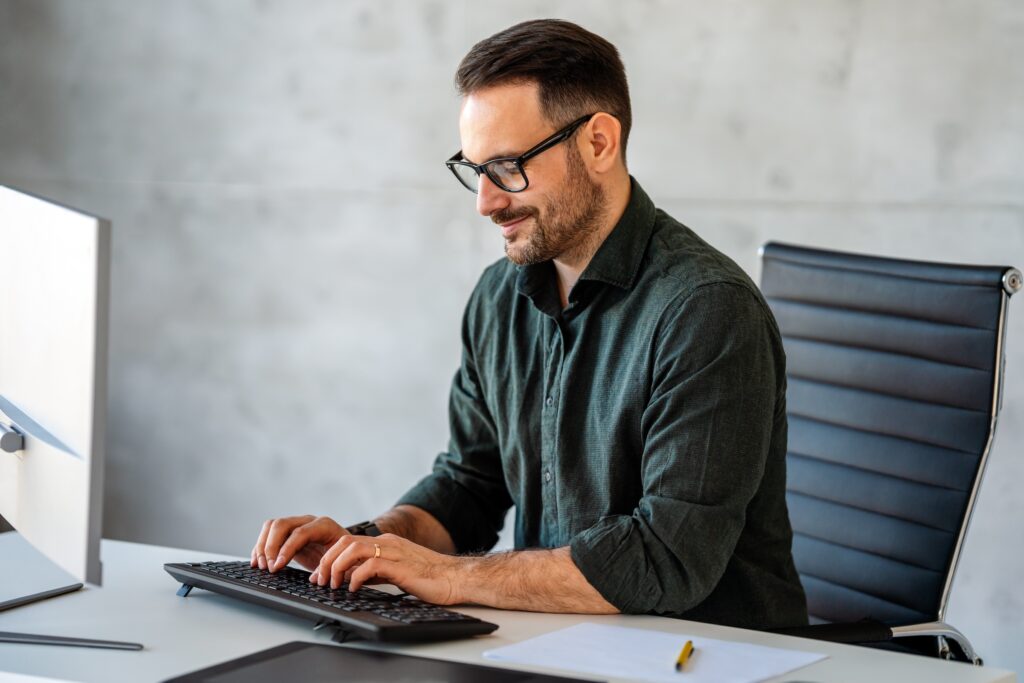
(299, 538)
(258, 552)
(279, 532)
(359, 550)
(356, 553)
(323, 570)
(378, 568)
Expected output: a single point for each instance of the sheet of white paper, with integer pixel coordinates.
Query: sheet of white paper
(639, 654)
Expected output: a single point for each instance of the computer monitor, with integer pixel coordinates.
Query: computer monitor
(54, 301)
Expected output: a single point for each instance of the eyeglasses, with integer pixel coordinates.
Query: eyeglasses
(507, 172)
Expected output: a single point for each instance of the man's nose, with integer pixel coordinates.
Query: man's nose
(490, 197)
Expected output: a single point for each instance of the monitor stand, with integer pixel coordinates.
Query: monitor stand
(26, 576)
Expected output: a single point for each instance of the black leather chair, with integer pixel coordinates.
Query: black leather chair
(894, 384)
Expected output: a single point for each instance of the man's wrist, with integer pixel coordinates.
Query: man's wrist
(462, 578)
(418, 526)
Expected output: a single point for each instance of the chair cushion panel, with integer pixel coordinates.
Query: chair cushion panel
(895, 582)
(870, 532)
(927, 423)
(891, 374)
(896, 457)
(828, 602)
(953, 273)
(969, 306)
(943, 343)
(932, 506)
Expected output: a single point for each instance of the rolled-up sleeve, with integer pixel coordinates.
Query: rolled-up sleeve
(706, 432)
(466, 490)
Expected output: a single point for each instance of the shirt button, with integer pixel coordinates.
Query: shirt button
(550, 402)
(547, 475)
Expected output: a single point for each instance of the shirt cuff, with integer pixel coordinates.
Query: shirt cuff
(611, 557)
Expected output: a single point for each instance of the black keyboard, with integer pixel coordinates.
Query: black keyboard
(369, 613)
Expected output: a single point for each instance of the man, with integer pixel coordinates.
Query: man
(622, 383)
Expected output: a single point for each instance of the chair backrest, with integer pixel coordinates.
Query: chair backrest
(894, 375)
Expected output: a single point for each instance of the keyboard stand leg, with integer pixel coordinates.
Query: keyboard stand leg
(338, 634)
(184, 590)
(342, 636)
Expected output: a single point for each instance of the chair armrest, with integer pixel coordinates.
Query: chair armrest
(943, 632)
(867, 631)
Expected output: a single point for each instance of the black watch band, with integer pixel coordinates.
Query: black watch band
(363, 529)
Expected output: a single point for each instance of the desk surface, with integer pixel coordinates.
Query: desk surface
(138, 603)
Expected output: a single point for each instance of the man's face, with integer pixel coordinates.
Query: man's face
(561, 207)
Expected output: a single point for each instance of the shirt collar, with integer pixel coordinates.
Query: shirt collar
(617, 260)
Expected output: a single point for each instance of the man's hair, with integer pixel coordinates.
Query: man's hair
(577, 72)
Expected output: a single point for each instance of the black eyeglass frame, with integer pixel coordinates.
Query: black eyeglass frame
(519, 161)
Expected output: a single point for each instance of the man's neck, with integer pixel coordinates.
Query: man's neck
(570, 266)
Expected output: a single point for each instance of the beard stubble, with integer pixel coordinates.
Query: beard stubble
(570, 224)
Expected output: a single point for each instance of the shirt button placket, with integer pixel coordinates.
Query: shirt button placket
(550, 430)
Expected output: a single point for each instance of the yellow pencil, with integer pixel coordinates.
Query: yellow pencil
(684, 655)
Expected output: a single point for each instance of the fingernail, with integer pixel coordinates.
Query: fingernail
(262, 561)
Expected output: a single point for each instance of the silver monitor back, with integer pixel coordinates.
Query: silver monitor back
(54, 301)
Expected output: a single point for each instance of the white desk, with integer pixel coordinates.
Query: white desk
(138, 603)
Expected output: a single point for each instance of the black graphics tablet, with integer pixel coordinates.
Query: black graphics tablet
(300, 662)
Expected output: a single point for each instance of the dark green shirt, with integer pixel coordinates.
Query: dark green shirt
(643, 426)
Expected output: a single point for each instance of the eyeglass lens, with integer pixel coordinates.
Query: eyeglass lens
(504, 173)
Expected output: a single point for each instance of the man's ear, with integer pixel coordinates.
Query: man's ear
(600, 142)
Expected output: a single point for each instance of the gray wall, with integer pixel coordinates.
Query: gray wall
(291, 258)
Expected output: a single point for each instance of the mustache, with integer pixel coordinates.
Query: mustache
(509, 215)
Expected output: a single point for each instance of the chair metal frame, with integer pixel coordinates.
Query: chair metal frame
(1013, 281)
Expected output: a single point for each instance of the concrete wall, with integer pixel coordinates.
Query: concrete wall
(291, 258)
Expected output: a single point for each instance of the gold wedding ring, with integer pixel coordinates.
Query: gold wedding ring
(376, 550)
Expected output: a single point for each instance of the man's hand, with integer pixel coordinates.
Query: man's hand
(429, 575)
(304, 538)
(534, 580)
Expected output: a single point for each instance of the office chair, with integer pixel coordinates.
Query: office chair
(894, 372)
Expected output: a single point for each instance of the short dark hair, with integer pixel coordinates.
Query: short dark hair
(577, 72)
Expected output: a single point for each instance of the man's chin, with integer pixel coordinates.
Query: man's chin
(518, 251)
(516, 255)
